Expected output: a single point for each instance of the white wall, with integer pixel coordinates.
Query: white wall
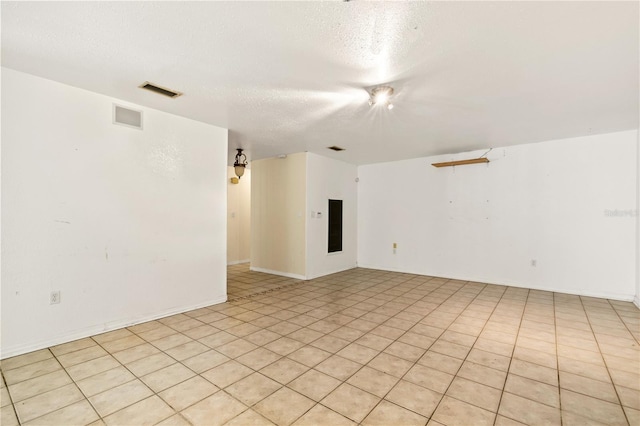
(278, 202)
(637, 297)
(543, 201)
(129, 225)
(330, 179)
(238, 218)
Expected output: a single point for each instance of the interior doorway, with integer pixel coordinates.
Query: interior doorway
(238, 218)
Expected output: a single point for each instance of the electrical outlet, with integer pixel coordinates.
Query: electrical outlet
(54, 298)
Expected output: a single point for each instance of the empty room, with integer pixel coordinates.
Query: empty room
(320, 213)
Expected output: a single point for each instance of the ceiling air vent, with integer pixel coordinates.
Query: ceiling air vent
(127, 117)
(161, 90)
(336, 148)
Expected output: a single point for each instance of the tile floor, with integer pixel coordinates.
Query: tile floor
(359, 347)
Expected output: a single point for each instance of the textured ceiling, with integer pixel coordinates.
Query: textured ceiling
(287, 77)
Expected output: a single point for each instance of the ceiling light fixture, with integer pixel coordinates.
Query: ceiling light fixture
(240, 164)
(381, 96)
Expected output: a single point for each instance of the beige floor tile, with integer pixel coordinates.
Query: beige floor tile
(314, 384)
(429, 378)
(262, 337)
(112, 335)
(135, 353)
(374, 341)
(8, 416)
(386, 413)
(358, 353)
(309, 356)
(253, 388)
(373, 381)
(587, 386)
(187, 350)
(146, 412)
(26, 359)
(185, 325)
(284, 406)
(440, 362)
(225, 374)
(489, 359)
(5, 399)
(449, 348)
(534, 372)
(629, 397)
(249, 417)
(93, 367)
(103, 381)
(205, 361)
(483, 375)
(32, 387)
(417, 340)
(627, 379)
(47, 402)
(167, 377)
(115, 399)
(236, 348)
(122, 344)
(146, 365)
(338, 367)
(531, 389)
(415, 398)
(187, 393)
(528, 411)
(72, 346)
(214, 410)
(30, 371)
(171, 341)
(79, 413)
(200, 332)
(320, 415)
(633, 416)
(258, 358)
(218, 339)
(583, 369)
(592, 408)
(284, 370)
(454, 412)
(390, 364)
(405, 351)
(573, 419)
(504, 349)
(82, 355)
(475, 393)
(330, 343)
(341, 401)
(157, 332)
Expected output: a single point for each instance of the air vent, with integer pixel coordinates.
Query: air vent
(336, 148)
(127, 117)
(161, 90)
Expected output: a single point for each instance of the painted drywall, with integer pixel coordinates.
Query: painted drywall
(559, 203)
(238, 218)
(637, 297)
(330, 179)
(127, 224)
(278, 203)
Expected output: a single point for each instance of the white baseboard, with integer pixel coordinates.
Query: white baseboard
(601, 295)
(636, 301)
(99, 329)
(237, 262)
(282, 274)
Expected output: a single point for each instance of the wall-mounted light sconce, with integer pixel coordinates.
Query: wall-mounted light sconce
(240, 164)
(381, 96)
